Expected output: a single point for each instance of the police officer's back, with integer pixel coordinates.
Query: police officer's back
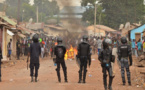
(35, 51)
(124, 51)
(84, 56)
(59, 51)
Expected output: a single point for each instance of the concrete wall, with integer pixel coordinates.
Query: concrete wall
(4, 44)
(137, 30)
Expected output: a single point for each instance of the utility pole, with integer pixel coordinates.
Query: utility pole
(37, 14)
(95, 19)
(18, 12)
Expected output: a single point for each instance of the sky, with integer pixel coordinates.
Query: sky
(75, 2)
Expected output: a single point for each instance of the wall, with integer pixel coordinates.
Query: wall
(4, 44)
(137, 30)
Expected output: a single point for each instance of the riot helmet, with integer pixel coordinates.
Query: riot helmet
(123, 40)
(35, 38)
(59, 40)
(106, 43)
(85, 38)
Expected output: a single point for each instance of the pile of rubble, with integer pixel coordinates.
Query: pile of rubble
(139, 71)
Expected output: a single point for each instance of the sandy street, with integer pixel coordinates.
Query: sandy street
(16, 77)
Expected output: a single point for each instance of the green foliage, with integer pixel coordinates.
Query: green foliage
(88, 16)
(46, 9)
(118, 12)
(29, 12)
(122, 11)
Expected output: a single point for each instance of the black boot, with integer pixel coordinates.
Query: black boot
(129, 81)
(80, 77)
(65, 75)
(0, 79)
(105, 81)
(36, 79)
(84, 76)
(32, 79)
(58, 75)
(110, 83)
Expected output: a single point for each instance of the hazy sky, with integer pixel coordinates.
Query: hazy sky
(75, 2)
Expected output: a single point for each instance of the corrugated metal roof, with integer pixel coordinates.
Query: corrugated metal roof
(21, 35)
(8, 20)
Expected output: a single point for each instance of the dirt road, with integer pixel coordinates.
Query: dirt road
(16, 77)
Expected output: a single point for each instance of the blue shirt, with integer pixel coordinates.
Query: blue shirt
(139, 44)
(133, 44)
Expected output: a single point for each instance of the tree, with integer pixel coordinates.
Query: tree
(88, 15)
(120, 11)
(47, 7)
(12, 6)
(29, 12)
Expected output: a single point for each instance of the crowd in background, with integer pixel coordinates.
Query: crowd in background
(47, 45)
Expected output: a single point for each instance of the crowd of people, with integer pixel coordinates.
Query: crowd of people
(109, 50)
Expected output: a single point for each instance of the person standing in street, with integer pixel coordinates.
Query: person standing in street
(133, 47)
(18, 45)
(124, 51)
(106, 58)
(139, 45)
(84, 54)
(59, 51)
(35, 51)
(1, 57)
(9, 50)
(52, 45)
(99, 44)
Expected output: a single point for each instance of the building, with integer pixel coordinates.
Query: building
(136, 33)
(55, 30)
(100, 30)
(6, 25)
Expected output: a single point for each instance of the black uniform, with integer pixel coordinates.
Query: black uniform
(84, 56)
(0, 62)
(18, 45)
(124, 51)
(35, 51)
(52, 47)
(60, 51)
(106, 57)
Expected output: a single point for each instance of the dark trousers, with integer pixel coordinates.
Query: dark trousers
(64, 70)
(52, 53)
(32, 66)
(83, 68)
(109, 70)
(124, 64)
(18, 54)
(0, 68)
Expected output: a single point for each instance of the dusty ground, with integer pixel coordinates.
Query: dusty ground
(16, 77)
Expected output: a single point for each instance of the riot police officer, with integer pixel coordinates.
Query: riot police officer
(84, 55)
(35, 51)
(106, 57)
(124, 51)
(59, 51)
